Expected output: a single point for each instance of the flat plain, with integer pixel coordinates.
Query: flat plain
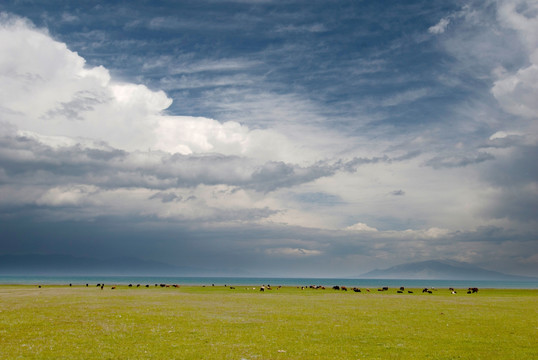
(195, 322)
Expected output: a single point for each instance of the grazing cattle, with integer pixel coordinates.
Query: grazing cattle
(453, 292)
(409, 292)
(147, 285)
(70, 284)
(402, 288)
(130, 285)
(399, 292)
(113, 287)
(137, 285)
(451, 289)
(424, 290)
(262, 288)
(102, 286)
(385, 288)
(356, 289)
(39, 286)
(336, 287)
(97, 285)
(379, 289)
(232, 288)
(430, 292)
(343, 288)
(86, 285)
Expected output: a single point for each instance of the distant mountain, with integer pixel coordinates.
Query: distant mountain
(35, 264)
(441, 270)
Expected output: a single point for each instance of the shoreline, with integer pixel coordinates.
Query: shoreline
(81, 280)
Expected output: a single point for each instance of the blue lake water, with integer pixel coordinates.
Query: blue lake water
(273, 281)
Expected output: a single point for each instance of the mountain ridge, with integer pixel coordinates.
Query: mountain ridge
(441, 270)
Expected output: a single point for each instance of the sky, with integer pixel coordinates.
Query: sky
(261, 137)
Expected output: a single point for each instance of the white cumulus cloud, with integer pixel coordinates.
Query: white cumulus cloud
(517, 92)
(440, 27)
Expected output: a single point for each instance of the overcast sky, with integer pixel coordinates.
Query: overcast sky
(283, 138)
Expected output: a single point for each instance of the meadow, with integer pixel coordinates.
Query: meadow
(195, 322)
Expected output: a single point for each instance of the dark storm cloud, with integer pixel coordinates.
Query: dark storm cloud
(514, 169)
(274, 175)
(514, 178)
(23, 157)
(458, 160)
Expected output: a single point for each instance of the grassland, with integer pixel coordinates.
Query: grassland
(62, 322)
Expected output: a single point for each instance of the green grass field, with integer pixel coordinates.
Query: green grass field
(61, 322)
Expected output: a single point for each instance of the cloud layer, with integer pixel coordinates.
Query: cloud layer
(266, 159)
